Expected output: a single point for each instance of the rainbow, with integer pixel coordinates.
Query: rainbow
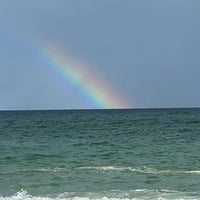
(95, 89)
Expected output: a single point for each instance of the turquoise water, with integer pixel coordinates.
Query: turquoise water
(100, 154)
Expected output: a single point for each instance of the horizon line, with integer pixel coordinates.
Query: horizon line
(90, 109)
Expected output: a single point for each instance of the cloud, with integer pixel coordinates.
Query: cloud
(147, 49)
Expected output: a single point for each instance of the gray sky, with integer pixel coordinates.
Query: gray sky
(148, 50)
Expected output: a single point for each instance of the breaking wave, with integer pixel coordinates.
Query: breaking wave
(145, 170)
(138, 194)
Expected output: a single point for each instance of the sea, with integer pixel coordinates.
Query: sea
(128, 154)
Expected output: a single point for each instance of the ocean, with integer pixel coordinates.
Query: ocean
(126, 154)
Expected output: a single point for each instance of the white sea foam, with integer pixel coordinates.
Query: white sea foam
(56, 169)
(23, 195)
(107, 168)
(131, 169)
(147, 170)
(193, 172)
(138, 194)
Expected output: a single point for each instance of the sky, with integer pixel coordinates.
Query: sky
(70, 54)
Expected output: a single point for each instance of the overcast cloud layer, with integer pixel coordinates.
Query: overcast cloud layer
(148, 49)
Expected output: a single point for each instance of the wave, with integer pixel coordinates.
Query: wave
(144, 170)
(138, 194)
(56, 169)
(147, 170)
(193, 172)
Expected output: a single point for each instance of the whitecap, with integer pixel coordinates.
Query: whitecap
(137, 194)
(115, 168)
(145, 170)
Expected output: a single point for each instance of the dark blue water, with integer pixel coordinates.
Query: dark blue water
(100, 154)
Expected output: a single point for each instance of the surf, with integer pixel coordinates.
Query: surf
(137, 194)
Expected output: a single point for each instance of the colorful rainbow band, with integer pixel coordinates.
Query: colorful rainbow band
(98, 93)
